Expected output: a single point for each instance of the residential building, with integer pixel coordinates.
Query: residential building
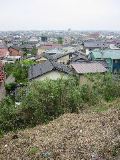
(91, 45)
(88, 67)
(49, 70)
(3, 51)
(112, 57)
(15, 51)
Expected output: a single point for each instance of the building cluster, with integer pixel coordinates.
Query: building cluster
(59, 54)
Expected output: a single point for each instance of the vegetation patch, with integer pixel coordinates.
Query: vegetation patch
(44, 101)
(33, 150)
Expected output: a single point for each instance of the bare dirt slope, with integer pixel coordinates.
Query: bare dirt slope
(84, 136)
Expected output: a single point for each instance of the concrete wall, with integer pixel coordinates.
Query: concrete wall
(41, 50)
(87, 51)
(64, 59)
(53, 75)
(41, 60)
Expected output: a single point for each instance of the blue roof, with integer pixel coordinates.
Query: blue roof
(106, 54)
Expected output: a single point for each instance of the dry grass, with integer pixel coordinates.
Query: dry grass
(83, 136)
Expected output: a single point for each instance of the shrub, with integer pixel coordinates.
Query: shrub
(43, 101)
(10, 87)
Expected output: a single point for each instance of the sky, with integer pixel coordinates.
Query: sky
(59, 14)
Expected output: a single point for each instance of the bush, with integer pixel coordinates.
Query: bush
(10, 87)
(46, 100)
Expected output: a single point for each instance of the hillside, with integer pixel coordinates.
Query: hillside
(83, 136)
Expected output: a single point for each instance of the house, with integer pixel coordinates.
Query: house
(91, 45)
(49, 70)
(26, 47)
(87, 67)
(15, 51)
(112, 58)
(3, 51)
(14, 55)
(61, 55)
(58, 57)
(95, 44)
(11, 59)
(47, 46)
(78, 57)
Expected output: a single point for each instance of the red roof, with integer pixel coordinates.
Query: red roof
(3, 52)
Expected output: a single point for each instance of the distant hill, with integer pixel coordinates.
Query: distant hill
(83, 136)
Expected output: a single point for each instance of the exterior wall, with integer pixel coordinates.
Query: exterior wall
(41, 50)
(41, 60)
(116, 66)
(53, 75)
(109, 61)
(87, 51)
(64, 59)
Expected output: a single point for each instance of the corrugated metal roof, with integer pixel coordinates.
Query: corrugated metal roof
(89, 67)
(106, 54)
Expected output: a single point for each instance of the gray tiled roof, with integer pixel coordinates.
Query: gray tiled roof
(55, 56)
(95, 44)
(79, 58)
(28, 46)
(40, 69)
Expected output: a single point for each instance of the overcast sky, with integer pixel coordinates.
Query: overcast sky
(59, 14)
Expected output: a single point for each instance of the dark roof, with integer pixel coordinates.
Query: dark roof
(89, 67)
(79, 57)
(95, 44)
(28, 46)
(77, 53)
(40, 69)
(55, 56)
